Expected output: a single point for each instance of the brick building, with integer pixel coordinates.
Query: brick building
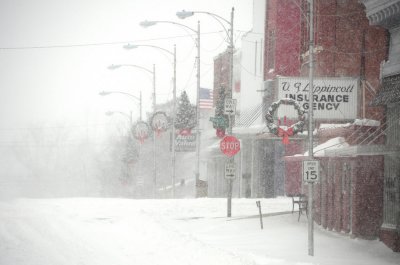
(350, 197)
(386, 14)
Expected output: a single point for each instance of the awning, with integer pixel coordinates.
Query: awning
(390, 92)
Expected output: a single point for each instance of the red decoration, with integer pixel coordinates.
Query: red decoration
(220, 133)
(159, 122)
(294, 128)
(285, 134)
(185, 132)
(141, 131)
(230, 145)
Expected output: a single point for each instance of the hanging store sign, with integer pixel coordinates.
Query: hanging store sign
(185, 143)
(333, 98)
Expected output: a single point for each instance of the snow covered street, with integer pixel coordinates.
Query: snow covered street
(190, 231)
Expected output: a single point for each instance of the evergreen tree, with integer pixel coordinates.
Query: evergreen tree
(220, 104)
(186, 113)
(219, 109)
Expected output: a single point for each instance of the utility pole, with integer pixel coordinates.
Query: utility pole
(173, 127)
(310, 131)
(154, 136)
(198, 140)
(230, 96)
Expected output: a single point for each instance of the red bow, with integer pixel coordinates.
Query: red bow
(285, 134)
(185, 132)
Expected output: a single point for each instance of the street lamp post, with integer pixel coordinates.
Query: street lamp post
(129, 116)
(229, 33)
(133, 46)
(147, 23)
(153, 73)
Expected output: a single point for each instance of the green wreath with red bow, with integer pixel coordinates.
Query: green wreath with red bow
(291, 130)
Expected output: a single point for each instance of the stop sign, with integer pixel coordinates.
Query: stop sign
(230, 145)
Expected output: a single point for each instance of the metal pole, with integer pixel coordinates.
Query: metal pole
(197, 167)
(310, 132)
(154, 137)
(140, 105)
(230, 96)
(173, 126)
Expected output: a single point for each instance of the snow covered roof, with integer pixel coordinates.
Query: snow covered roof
(366, 122)
(332, 144)
(357, 122)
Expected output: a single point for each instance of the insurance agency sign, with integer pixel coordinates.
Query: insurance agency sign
(334, 98)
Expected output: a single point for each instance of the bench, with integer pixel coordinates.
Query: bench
(301, 201)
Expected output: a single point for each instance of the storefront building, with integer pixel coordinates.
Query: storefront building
(386, 14)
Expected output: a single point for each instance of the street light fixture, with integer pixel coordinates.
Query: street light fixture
(148, 23)
(134, 46)
(113, 66)
(229, 33)
(184, 14)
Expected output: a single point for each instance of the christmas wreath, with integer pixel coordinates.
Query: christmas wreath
(141, 131)
(291, 130)
(159, 122)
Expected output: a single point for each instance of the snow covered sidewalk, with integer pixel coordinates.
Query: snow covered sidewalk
(191, 231)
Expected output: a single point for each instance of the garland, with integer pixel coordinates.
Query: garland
(293, 129)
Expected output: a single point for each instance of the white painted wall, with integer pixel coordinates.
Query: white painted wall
(252, 61)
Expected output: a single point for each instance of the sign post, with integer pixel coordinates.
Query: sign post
(230, 145)
(310, 131)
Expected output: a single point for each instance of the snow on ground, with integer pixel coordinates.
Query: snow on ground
(188, 231)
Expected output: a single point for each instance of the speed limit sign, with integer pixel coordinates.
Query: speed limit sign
(311, 171)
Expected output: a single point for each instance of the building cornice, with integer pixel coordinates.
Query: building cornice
(385, 13)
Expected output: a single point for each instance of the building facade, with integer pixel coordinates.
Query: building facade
(386, 14)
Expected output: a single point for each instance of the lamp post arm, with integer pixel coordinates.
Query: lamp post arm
(218, 18)
(175, 23)
(139, 99)
(139, 67)
(133, 46)
(151, 23)
(104, 93)
(213, 15)
(109, 113)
